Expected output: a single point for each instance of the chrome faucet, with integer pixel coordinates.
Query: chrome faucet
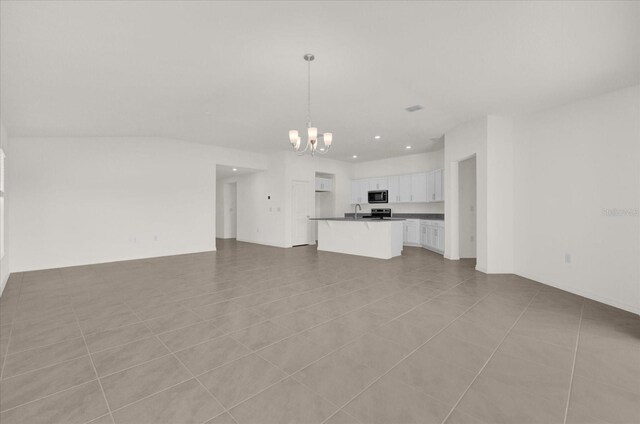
(356, 207)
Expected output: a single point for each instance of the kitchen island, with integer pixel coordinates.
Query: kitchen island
(372, 237)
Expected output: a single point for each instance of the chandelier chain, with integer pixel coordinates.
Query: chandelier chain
(308, 94)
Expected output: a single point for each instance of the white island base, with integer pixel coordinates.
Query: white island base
(380, 239)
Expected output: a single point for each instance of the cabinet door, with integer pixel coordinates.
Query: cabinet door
(438, 183)
(405, 189)
(419, 187)
(381, 183)
(355, 191)
(394, 189)
(364, 191)
(323, 184)
(423, 235)
(431, 192)
(413, 233)
(440, 245)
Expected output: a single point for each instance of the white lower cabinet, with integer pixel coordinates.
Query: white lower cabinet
(431, 235)
(411, 235)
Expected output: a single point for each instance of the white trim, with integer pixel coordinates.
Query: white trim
(264, 243)
(589, 295)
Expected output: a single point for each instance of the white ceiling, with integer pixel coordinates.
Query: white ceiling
(232, 73)
(224, 171)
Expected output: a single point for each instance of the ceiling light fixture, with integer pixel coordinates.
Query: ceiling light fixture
(377, 137)
(234, 169)
(312, 132)
(355, 156)
(408, 147)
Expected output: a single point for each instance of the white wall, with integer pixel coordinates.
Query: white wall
(4, 262)
(500, 191)
(571, 163)
(462, 143)
(90, 200)
(409, 164)
(467, 210)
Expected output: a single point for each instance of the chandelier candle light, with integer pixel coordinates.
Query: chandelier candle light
(312, 132)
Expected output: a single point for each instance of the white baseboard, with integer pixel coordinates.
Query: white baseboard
(635, 309)
(263, 243)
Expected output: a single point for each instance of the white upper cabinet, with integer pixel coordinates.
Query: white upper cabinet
(419, 187)
(394, 189)
(324, 184)
(381, 183)
(405, 189)
(439, 185)
(422, 187)
(435, 181)
(359, 191)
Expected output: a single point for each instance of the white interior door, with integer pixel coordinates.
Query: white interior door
(300, 211)
(233, 212)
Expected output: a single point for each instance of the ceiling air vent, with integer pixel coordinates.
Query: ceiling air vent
(413, 108)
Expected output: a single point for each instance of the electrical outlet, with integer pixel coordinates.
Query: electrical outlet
(567, 258)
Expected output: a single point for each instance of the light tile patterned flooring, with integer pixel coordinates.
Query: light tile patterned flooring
(255, 334)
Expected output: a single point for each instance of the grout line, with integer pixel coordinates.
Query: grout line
(490, 357)
(186, 368)
(252, 352)
(573, 365)
(49, 395)
(4, 359)
(414, 350)
(336, 350)
(91, 359)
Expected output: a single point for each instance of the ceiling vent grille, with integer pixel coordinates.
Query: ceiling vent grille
(414, 108)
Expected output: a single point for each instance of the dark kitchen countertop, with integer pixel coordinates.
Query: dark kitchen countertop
(430, 216)
(360, 219)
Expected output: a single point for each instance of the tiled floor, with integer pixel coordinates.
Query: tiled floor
(254, 334)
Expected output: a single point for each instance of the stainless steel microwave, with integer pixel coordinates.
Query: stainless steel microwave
(378, 196)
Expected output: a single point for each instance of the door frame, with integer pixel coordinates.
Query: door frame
(293, 216)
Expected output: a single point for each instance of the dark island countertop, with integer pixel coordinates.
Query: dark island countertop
(352, 219)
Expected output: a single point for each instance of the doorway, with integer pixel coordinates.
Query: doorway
(226, 210)
(231, 212)
(300, 213)
(467, 206)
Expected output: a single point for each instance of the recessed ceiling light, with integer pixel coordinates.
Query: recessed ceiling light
(234, 169)
(322, 149)
(377, 137)
(408, 147)
(355, 156)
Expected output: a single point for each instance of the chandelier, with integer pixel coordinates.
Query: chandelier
(312, 132)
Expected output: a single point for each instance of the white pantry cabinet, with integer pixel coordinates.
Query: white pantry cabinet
(324, 184)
